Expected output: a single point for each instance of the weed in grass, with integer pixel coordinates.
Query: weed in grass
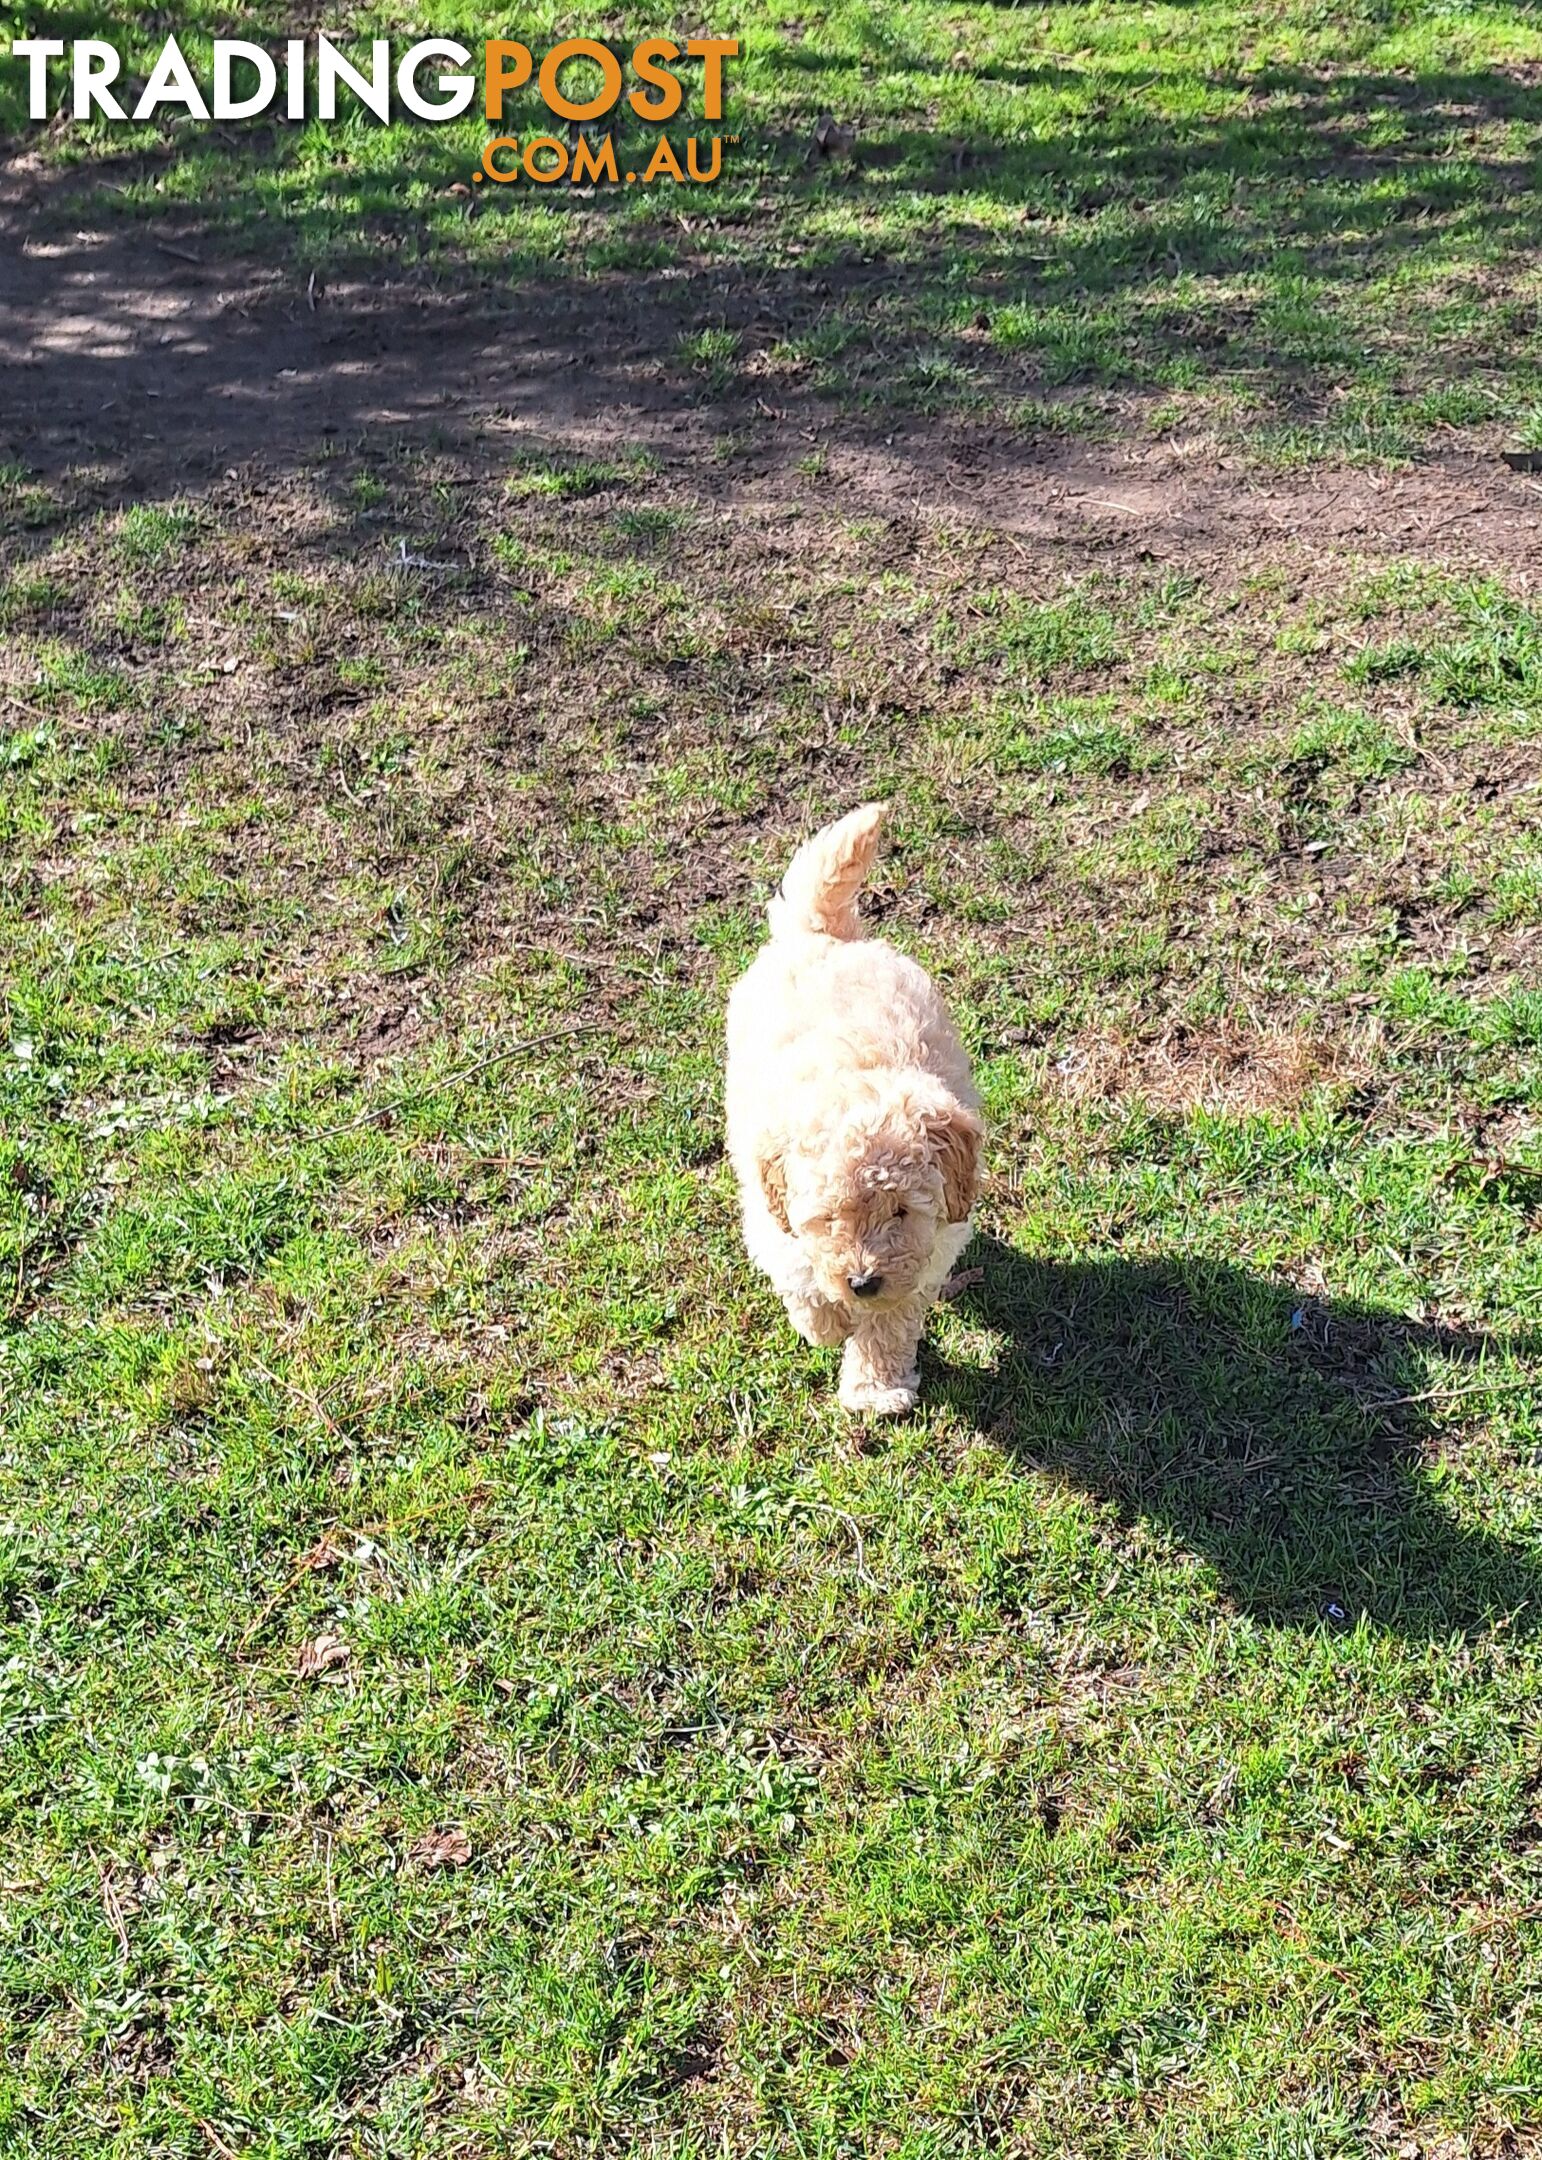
(712, 354)
(148, 622)
(1077, 419)
(26, 746)
(25, 502)
(1497, 662)
(1073, 742)
(1384, 663)
(1517, 894)
(571, 479)
(75, 677)
(1352, 743)
(1513, 1019)
(290, 586)
(650, 522)
(1042, 637)
(30, 599)
(149, 533)
(363, 672)
(1420, 996)
(1455, 885)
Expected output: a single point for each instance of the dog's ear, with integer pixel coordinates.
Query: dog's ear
(954, 1135)
(771, 1162)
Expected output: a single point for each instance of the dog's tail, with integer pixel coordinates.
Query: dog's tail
(819, 892)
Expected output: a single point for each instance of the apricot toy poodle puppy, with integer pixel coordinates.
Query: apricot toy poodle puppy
(853, 1125)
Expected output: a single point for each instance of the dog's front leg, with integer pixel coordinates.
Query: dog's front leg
(817, 1320)
(878, 1370)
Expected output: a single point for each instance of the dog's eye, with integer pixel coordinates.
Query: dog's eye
(900, 1214)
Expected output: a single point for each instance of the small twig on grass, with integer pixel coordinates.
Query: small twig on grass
(438, 1150)
(305, 1565)
(407, 561)
(581, 960)
(333, 1917)
(182, 254)
(1405, 732)
(310, 1401)
(840, 1515)
(110, 1904)
(449, 1080)
(359, 801)
(1454, 1394)
(266, 1612)
(226, 2152)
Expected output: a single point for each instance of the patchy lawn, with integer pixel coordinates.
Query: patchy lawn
(1304, 231)
(464, 1688)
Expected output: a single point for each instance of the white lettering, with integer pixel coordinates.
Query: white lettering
(37, 52)
(227, 106)
(171, 83)
(373, 90)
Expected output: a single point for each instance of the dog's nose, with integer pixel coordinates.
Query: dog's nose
(865, 1285)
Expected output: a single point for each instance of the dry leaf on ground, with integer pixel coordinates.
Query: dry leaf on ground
(441, 1848)
(329, 1551)
(320, 1655)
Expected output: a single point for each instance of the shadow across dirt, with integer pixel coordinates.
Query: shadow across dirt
(1281, 1439)
(1019, 350)
(1243, 246)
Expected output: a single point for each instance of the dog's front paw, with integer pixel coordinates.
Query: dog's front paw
(870, 1398)
(822, 1324)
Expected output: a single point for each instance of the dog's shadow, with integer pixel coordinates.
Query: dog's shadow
(1272, 1435)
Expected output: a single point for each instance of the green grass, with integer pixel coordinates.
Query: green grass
(570, 479)
(1133, 1756)
(464, 1688)
(149, 532)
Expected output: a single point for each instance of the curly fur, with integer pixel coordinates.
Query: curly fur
(853, 1123)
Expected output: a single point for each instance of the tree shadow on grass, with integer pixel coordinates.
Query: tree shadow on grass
(1272, 1435)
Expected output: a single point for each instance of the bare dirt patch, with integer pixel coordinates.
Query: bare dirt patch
(145, 367)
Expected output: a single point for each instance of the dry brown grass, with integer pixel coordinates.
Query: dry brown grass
(1230, 1068)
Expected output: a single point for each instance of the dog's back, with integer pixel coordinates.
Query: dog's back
(821, 999)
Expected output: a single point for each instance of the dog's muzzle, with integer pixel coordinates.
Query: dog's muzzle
(864, 1285)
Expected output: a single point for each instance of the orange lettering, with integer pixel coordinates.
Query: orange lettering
(576, 48)
(546, 172)
(496, 172)
(646, 68)
(717, 159)
(500, 76)
(589, 165)
(664, 160)
(713, 51)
